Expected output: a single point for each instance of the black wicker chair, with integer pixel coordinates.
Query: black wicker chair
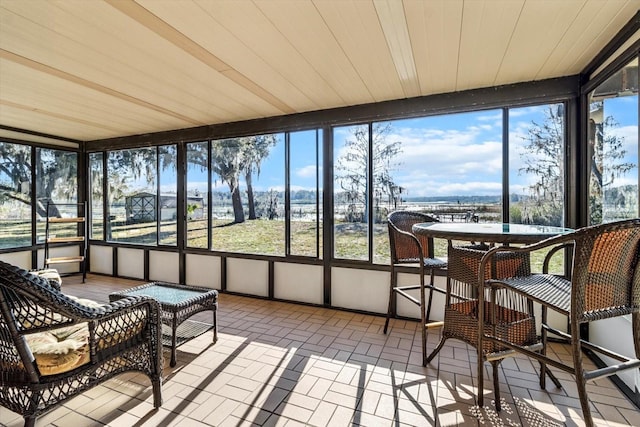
(604, 283)
(118, 337)
(416, 252)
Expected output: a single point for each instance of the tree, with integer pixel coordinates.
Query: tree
(56, 176)
(255, 150)
(226, 158)
(236, 157)
(607, 163)
(543, 157)
(354, 166)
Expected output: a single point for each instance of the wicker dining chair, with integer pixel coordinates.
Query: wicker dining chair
(409, 250)
(604, 282)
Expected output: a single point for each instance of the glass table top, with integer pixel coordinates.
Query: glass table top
(495, 232)
(166, 294)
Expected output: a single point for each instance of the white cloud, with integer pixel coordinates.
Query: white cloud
(308, 171)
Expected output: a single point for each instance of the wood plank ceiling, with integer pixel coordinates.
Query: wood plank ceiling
(96, 69)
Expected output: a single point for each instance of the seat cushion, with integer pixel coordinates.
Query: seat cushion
(50, 274)
(62, 349)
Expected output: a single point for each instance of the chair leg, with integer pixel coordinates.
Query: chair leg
(480, 357)
(157, 392)
(431, 285)
(544, 370)
(423, 321)
(496, 384)
(436, 350)
(392, 284)
(581, 382)
(543, 351)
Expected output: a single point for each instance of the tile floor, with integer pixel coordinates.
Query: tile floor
(278, 364)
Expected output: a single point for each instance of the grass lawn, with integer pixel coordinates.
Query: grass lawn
(258, 236)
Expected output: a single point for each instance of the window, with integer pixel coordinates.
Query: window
(168, 191)
(248, 194)
(56, 183)
(197, 192)
(132, 193)
(305, 191)
(96, 208)
(536, 165)
(350, 192)
(613, 147)
(15, 195)
(449, 166)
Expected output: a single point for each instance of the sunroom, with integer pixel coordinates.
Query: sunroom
(258, 147)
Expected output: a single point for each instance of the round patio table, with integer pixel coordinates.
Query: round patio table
(469, 312)
(488, 232)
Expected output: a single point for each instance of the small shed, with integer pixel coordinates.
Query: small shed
(141, 207)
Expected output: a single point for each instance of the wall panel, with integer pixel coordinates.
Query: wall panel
(298, 282)
(203, 270)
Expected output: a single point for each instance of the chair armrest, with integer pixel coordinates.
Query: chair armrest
(557, 242)
(125, 319)
(551, 253)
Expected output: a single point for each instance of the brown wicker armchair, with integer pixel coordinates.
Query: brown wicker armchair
(53, 347)
(604, 282)
(416, 252)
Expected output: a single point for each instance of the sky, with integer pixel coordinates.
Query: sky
(446, 155)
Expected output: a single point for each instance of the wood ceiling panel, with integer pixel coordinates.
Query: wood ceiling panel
(530, 48)
(146, 72)
(394, 26)
(316, 48)
(73, 103)
(355, 26)
(487, 28)
(211, 25)
(99, 69)
(435, 28)
(24, 37)
(579, 43)
(43, 122)
(4, 133)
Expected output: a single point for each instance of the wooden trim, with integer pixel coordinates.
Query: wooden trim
(10, 56)
(177, 38)
(40, 134)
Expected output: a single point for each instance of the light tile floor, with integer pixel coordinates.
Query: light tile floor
(278, 364)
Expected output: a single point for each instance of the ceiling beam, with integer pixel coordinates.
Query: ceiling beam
(18, 59)
(141, 15)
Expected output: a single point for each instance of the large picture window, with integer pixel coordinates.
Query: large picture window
(167, 204)
(248, 176)
(350, 192)
(96, 207)
(449, 166)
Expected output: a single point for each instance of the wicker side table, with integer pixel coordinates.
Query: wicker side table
(178, 303)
